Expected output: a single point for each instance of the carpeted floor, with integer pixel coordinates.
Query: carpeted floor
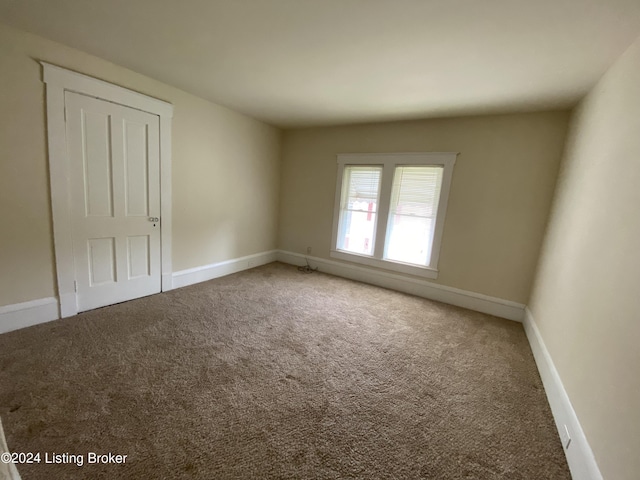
(273, 373)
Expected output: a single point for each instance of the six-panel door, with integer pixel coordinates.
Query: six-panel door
(114, 188)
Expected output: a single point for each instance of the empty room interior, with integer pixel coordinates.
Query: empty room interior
(320, 239)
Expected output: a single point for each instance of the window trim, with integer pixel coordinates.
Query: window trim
(389, 161)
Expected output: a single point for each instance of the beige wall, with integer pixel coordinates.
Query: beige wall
(586, 298)
(225, 170)
(500, 195)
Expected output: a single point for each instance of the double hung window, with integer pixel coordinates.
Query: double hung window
(390, 209)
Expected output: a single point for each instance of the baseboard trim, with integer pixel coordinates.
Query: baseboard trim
(579, 455)
(26, 314)
(190, 276)
(422, 288)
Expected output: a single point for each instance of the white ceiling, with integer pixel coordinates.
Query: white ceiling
(317, 62)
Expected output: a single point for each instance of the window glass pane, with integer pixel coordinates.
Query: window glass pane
(358, 208)
(412, 214)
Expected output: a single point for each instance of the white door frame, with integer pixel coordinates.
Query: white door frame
(58, 80)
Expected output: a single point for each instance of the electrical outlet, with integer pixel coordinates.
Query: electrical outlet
(308, 250)
(565, 437)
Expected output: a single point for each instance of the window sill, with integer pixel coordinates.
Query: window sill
(426, 272)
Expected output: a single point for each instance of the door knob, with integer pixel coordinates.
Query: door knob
(154, 219)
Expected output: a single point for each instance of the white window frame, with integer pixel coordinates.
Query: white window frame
(59, 80)
(389, 161)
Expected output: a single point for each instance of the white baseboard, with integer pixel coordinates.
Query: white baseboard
(215, 270)
(580, 458)
(21, 315)
(422, 288)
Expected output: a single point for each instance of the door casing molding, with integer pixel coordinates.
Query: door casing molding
(59, 80)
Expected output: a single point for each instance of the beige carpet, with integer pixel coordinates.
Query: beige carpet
(273, 373)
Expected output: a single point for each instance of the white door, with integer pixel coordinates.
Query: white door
(115, 200)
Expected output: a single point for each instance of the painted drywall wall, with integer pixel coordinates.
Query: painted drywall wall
(225, 170)
(585, 298)
(501, 191)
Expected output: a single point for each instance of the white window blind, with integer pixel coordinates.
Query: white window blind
(412, 214)
(358, 208)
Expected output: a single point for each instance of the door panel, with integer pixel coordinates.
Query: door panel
(96, 156)
(139, 264)
(102, 261)
(115, 191)
(136, 169)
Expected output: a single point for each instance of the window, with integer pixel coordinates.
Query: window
(390, 209)
(358, 209)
